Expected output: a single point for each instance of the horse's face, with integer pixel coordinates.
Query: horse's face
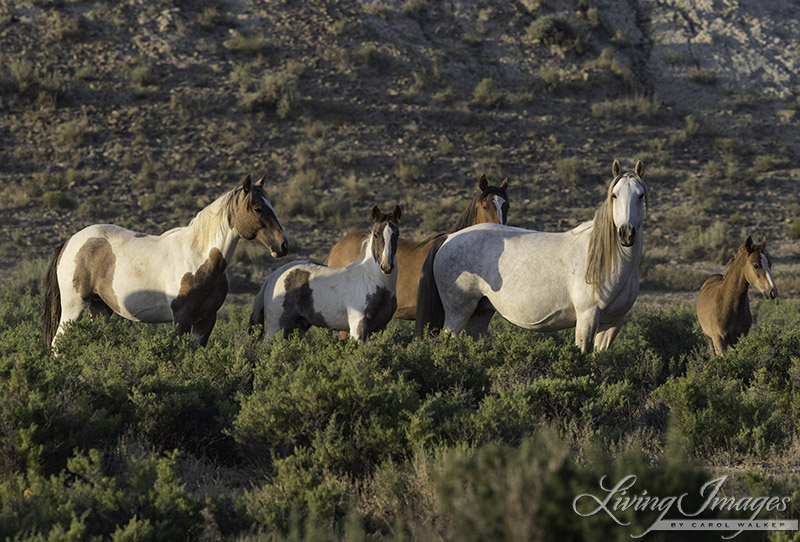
(627, 201)
(384, 236)
(493, 205)
(254, 219)
(758, 268)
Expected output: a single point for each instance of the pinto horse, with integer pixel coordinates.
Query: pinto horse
(489, 205)
(723, 307)
(586, 278)
(178, 276)
(359, 298)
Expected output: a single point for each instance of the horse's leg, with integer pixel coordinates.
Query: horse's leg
(97, 307)
(720, 344)
(586, 328)
(604, 338)
(72, 306)
(359, 329)
(478, 323)
(203, 327)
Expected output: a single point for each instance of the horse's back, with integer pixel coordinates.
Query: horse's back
(349, 249)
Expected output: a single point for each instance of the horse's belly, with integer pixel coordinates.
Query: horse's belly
(543, 313)
(146, 306)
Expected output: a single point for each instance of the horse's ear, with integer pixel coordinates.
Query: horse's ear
(260, 182)
(748, 244)
(616, 169)
(246, 184)
(376, 213)
(504, 184)
(483, 184)
(764, 242)
(396, 213)
(639, 169)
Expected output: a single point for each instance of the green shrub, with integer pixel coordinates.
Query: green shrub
(487, 94)
(277, 91)
(794, 229)
(55, 199)
(247, 45)
(551, 30)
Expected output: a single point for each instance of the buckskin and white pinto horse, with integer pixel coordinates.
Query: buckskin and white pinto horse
(178, 276)
(359, 298)
(586, 278)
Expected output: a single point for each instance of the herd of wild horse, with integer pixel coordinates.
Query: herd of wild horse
(586, 278)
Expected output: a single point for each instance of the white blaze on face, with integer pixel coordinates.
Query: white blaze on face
(768, 269)
(498, 202)
(386, 260)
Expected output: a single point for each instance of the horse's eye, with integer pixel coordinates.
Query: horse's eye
(641, 196)
(756, 266)
(613, 196)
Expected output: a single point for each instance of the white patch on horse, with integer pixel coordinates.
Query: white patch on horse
(386, 260)
(498, 202)
(768, 269)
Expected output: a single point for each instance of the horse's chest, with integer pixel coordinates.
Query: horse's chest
(380, 305)
(202, 293)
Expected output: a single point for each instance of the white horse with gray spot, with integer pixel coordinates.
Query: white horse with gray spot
(360, 298)
(586, 278)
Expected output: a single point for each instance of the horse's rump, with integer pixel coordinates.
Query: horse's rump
(430, 311)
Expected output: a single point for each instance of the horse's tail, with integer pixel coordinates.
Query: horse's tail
(257, 314)
(51, 316)
(430, 311)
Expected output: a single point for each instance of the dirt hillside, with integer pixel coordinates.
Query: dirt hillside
(140, 112)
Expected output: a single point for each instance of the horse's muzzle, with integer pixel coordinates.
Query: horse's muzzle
(772, 294)
(281, 250)
(627, 235)
(387, 269)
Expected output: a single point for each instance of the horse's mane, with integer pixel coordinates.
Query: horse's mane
(603, 241)
(206, 224)
(468, 216)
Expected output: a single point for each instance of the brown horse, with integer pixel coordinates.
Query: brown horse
(723, 308)
(490, 205)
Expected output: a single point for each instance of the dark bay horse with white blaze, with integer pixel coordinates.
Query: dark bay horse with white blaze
(489, 205)
(178, 276)
(359, 298)
(723, 307)
(586, 278)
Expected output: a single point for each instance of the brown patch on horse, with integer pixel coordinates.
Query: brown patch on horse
(94, 273)
(298, 303)
(200, 296)
(379, 309)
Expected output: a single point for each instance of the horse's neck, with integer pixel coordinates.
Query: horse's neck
(211, 229)
(623, 269)
(734, 285)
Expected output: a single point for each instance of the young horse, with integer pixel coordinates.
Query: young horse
(359, 298)
(489, 205)
(723, 307)
(586, 278)
(178, 276)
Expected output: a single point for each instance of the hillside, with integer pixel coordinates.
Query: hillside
(141, 112)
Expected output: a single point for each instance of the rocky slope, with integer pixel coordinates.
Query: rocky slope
(140, 112)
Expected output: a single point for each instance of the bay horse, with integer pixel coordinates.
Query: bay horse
(723, 307)
(359, 298)
(586, 278)
(178, 276)
(489, 205)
